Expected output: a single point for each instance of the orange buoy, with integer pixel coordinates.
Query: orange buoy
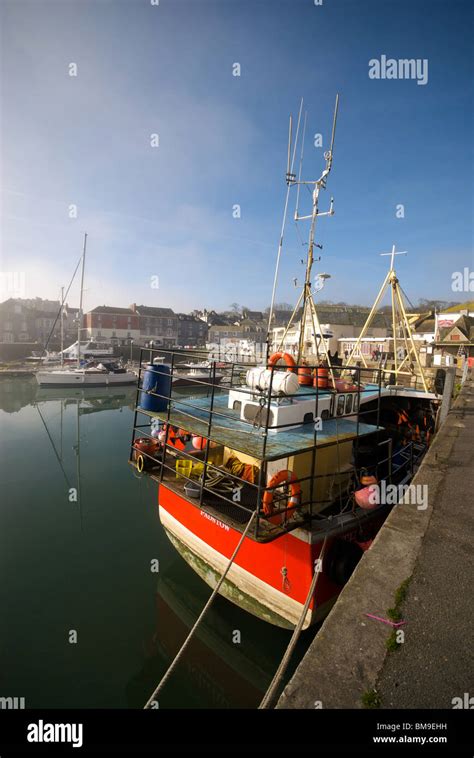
(305, 376)
(321, 378)
(289, 360)
(366, 479)
(199, 443)
(368, 496)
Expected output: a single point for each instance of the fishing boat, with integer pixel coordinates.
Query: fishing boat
(269, 485)
(94, 374)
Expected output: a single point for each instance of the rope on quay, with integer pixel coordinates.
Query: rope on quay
(183, 647)
(269, 697)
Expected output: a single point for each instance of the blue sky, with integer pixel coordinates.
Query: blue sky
(167, 211)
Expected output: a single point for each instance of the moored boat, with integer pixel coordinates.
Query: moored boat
(94, 374)
(269, 483)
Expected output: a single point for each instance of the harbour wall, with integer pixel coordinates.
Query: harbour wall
(343, 663)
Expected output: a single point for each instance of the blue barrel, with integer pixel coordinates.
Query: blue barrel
(157, 378)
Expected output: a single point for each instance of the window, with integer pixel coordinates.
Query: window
(356, 403)
(340, 404)
(348, 403)
(170, 322)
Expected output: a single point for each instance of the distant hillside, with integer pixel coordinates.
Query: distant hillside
(469, 306)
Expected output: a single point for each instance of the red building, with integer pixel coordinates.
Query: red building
(115, 325)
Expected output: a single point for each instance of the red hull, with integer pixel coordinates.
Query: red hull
(278, 573)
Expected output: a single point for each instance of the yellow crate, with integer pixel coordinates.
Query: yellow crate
(183, 468)
(197, 470)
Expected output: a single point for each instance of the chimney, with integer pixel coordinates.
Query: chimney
(133, 307)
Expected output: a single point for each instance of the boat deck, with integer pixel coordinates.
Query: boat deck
(224, 510)
(193, 414)
(266, 531)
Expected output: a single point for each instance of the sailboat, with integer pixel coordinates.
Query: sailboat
(103, 373)
(269, 486)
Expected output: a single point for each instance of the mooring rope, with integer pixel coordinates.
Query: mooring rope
(269, 696)
(183, 647)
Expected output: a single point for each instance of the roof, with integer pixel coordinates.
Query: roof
(428, 325)
(465, 324)
(254, 315)
(148, 310)
(111, 309)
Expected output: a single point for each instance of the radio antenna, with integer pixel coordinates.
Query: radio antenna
(290, 128)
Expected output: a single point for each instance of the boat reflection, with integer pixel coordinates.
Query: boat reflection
(91, 400)
(16, 393)
(230, 660)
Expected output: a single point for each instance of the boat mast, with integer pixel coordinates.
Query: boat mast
(308, 303)
(306, 295)
(79, 315)
(62, 327)
(309, 308)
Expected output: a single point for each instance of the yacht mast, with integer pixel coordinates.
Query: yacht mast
(62, 327)
(79, 315)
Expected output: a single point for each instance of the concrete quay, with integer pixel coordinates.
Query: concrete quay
(348, 664)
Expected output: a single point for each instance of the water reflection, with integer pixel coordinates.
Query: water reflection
(16, 394)
(91, 559)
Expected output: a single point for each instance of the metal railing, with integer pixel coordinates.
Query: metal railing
(232, 373)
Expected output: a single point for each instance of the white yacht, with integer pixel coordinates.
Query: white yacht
(98, 375)
(94, 374)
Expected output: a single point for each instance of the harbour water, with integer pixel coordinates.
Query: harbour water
(87, 621)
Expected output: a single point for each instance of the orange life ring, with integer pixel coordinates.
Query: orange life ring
(280, 478)
(289, 360)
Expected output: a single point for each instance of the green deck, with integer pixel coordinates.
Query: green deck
(193, 415)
